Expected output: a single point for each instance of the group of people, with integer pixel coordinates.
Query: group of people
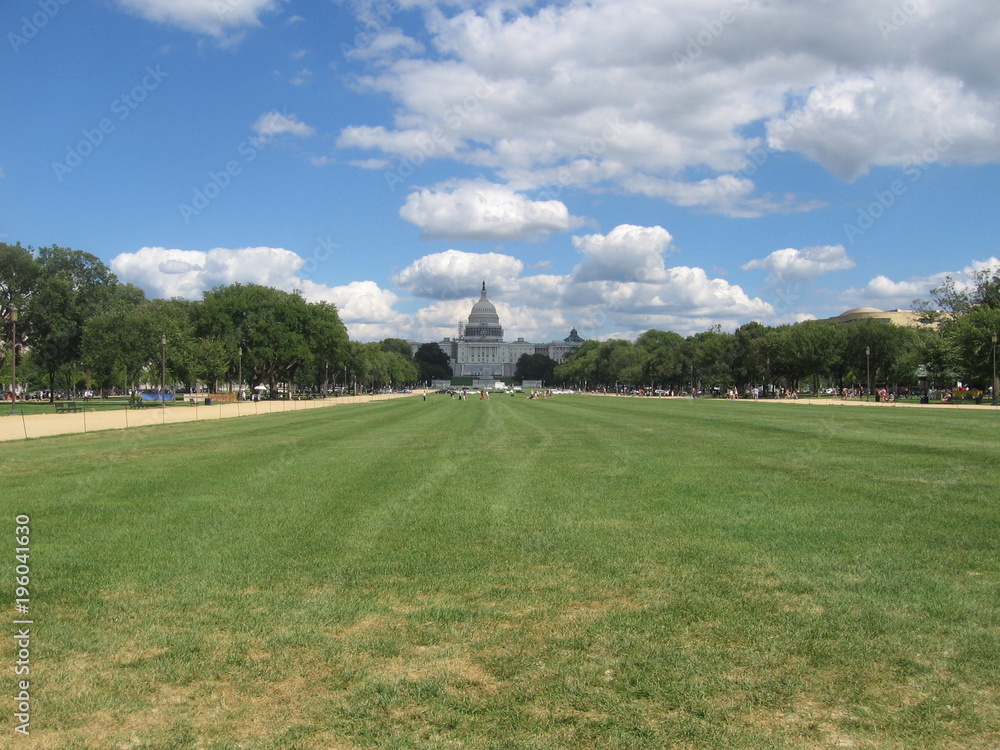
(463, 395)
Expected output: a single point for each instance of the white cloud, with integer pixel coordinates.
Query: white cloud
(302, 78)
(213, 17)
(164, 272)
(484, 211)
(626, 253)
(457, 274)
(415, 145)
(881, 291)
(726, 194)
(273, 123)
(387, 44)
(669, 99)
(370, 163)
(365, 308)
(889, 118)
(796, 266)
(621, 284)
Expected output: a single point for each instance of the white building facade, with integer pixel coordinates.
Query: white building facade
(480, 351)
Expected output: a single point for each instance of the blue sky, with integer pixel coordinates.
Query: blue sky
(611, 165)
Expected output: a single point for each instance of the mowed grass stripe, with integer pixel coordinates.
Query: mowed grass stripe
(570, 572)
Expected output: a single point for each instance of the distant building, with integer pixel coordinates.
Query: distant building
(906, 318)
(480, 351)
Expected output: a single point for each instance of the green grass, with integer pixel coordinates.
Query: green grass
(29, 407)
(578, 572)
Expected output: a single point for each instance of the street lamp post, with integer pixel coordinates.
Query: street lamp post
(239, 375)
(868, 359)
(13, 362)
(163, 370)
(994, 369)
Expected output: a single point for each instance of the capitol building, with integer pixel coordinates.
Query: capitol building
(479, 351)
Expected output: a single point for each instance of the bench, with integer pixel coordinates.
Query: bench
(64, 407)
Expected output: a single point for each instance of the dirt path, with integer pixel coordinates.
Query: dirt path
(22, 427)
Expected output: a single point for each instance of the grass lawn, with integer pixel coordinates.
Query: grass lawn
(578, 572)
(28, 408)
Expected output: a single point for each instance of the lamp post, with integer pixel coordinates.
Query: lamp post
(13, 362)
(163, 370)
(994, 389)
(868, 359)
(239, 375)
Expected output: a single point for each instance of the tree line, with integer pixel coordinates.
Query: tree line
(957, 344)
(78, 327)
(78, 324)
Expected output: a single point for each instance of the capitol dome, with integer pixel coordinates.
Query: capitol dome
(484, 322)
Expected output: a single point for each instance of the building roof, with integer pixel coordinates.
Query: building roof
(908, 318)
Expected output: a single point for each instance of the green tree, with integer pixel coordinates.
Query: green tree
(749, 358)
(432, 362)
(971, 335)
(72, 286)
(810, 350)
(968, 318)
(18, 276)
(535, 367)
(119, 345)
(279, 332)
(710, 352)
(399, 346)
(876, 345)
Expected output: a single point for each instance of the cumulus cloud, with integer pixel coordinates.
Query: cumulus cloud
(884, 292)
(889, 118)
(484, 211)
(622, 283)
(626, 253)
(163, 272)
(454, 273)
(797, 266)
(672, 99)
(213, 17)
